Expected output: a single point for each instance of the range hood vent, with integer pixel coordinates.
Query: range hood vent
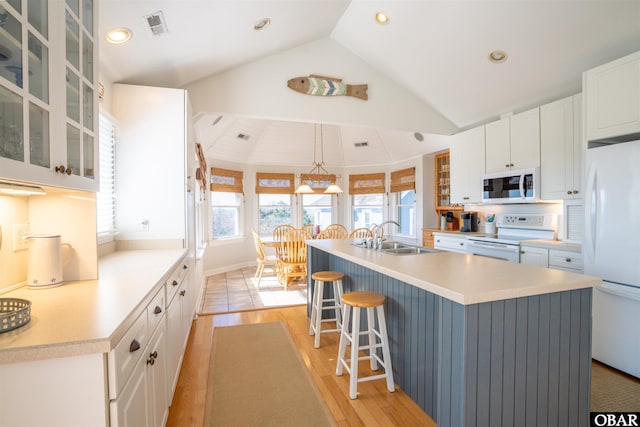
(361, 144)
(156, 23)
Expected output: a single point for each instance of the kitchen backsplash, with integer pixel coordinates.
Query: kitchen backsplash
(68, 213)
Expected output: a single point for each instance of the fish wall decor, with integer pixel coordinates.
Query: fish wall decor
(326, 86)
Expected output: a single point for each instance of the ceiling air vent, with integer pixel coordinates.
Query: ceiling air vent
(360, 144)
(156, 23)
(244, 136)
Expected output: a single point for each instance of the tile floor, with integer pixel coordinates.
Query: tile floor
(237, 290)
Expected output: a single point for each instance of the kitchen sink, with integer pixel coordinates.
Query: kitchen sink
(408, 250)
(394, 245)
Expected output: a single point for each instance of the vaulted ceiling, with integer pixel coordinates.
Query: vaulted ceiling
(438, 50)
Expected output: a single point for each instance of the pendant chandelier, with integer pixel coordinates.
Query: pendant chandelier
(318, 173)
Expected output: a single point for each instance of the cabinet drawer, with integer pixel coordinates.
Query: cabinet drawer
(453, 244)
(565, 260)
(122, 359)
(176, 278)
(155, 309)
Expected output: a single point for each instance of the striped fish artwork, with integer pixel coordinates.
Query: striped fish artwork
(326, 86)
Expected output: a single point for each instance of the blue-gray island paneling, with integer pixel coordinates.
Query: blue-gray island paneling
(523, 360)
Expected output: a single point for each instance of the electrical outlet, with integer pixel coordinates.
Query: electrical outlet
(143, 225)
(20, 231)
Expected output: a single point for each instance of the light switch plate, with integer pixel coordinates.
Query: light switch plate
(20, 231)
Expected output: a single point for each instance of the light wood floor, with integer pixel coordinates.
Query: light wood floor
(375, 406)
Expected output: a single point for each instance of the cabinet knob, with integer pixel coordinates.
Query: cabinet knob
(157, 310)
(506, 165)
(461, 244)
(183, 292)
(151, 361)
(522, 252)
(184, 267)
(567, 259)
(174, 283)
(569, 192)
(438, 240)
(154, 354)
(465, 198)
(62, 169)
(135, 346)
(510, 165)
(575, 191)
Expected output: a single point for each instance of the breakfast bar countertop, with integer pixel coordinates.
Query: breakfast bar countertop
(88, 316)
(465, 279)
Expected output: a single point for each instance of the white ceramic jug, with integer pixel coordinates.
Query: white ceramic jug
(46, 260)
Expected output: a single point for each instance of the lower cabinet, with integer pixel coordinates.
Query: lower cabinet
(450, 242)
(534, 256)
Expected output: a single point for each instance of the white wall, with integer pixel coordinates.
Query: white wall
(259, 89)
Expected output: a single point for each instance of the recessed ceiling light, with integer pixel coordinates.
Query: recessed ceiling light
(498, 56)
(262, 24)
(119, 35)
(382, 18)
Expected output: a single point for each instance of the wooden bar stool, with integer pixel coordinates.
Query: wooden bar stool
(370, 301)
(317, 306)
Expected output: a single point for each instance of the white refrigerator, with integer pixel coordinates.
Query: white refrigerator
(612, 251)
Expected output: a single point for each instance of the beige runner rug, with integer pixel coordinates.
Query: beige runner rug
(257, 378)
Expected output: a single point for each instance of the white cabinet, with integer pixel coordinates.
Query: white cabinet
(534, 256)
(513, 142)
(151, 181)
(561, 149)
(180, 310)
(48, 89)
(467, 166)
(565, 260)
(612, 98)
(450, 242)
(157, 359)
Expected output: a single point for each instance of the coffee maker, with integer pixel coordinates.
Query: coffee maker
(469, 222)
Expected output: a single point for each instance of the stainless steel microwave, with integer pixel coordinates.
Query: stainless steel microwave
(515, 186)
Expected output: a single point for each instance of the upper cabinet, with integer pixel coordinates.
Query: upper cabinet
(513, 142)
(612, 98)
(561, 149)
(467, 153)
(442, 181)
(48, 86)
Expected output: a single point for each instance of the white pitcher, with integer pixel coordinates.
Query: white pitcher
(46, 260)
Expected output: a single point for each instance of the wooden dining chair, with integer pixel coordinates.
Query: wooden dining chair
(334, 231)
(278, 234)
(360, 233)
(293, 261)
(265, 261)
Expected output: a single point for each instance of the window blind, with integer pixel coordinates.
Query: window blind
(274, 183)
(106, 196)
(367, 183)
(402, 180)
(226, 180)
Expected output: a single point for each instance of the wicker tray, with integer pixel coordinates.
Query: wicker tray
(14, 312)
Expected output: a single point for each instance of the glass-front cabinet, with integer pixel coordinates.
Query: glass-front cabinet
(48, 97)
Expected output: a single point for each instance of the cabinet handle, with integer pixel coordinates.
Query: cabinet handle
(506, 165)
(135, 346)
(184, 267)
(157, 310)
(569, 192)
(183, 292)
(575, 191)
(465, 198)
(154, 354)
(151, 361)
(174, 283)
(522, 252)
(510, 165)
(567, 259)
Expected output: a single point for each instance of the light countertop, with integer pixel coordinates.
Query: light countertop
(465, 279)
(89, 316)
(553, 244)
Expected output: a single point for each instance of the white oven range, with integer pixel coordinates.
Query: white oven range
(512, 229)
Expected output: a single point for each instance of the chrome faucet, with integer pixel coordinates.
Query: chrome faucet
(377, 234)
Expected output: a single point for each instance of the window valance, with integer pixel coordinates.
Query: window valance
(274, 183)
(367, 183)
(226, 180)
(402, 180)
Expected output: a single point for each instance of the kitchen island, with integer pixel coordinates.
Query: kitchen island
(477, 341)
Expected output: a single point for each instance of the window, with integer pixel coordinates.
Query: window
(367, 192)
(316, 210)
(274, 200)
(273, 210)
(226, 203)
(367, 209)
(106, 196)
(403, 184)
(406, 211)
(225, 214)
